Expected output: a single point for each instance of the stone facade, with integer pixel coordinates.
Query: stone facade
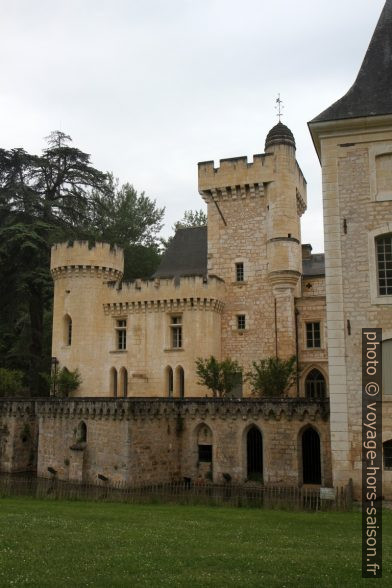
(154, 441)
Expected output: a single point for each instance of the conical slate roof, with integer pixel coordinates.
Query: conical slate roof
(371, 94)
(279, 134)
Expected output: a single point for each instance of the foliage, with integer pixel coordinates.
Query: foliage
(53, 197)
(11, 382)
(273, 377)
(219, 376)
(191, 218)
(64, 381)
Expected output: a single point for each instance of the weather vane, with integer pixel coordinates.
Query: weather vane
(279, 106)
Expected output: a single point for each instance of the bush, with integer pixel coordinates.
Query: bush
(273, 377)
(64, 381)
(10, 382)
(219, 376)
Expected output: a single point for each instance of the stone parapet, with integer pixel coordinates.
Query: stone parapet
(80, 256)
(152, 408)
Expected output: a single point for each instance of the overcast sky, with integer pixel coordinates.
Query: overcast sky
(151, 87)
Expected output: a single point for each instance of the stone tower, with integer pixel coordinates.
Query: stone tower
(353, 139)
(81, 275)
(254, 214)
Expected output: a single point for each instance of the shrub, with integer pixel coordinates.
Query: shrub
(272, 377)
(219, 376)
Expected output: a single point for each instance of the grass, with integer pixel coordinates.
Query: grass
(60, 544)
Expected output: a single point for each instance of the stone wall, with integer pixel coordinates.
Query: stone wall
(18, 436)
(156, 440)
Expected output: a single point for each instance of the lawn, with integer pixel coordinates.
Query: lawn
(72, 544)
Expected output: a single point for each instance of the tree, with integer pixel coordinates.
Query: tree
(219, 376)
(272, 377)
(53, 197)
(10, 382)
(63, 382)
(133, 222)
(191, 218)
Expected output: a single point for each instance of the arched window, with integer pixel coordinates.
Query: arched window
(113, 382)
(82, 432)
(387, 366)
(180, 382)
(254, 454)
(169, 381)
(124, 382)
(315, 385)
(387, 447)
(311, 457)
(67, 330)
(384, 264)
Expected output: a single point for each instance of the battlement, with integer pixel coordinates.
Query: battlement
(194, 292)
(80, 254)
(235, 176)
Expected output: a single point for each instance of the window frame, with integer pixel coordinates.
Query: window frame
(176, 333)
(239, 272)
(313, 335)
(241, 322)
(377, 242)
(121, 334)
(375, 298)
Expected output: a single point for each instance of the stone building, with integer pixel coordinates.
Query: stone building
(243, 287)
(353, 139)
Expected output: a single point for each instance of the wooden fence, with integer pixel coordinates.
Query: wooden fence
(183, 492)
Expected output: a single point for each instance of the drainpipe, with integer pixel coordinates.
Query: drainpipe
(296, 349)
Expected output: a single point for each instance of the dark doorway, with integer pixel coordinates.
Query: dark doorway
(311, 460)
(254, 454)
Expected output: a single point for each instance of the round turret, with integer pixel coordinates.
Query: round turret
(279, 135)
(99, 259)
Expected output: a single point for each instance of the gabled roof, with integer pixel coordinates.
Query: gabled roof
(186, 254)
(371, 94)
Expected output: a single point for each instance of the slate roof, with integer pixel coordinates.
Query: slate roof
(371, 94)
(314, 266)
(279, 134)
(187, 256)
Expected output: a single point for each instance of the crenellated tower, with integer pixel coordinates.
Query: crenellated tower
(81, 275)
(254, 211)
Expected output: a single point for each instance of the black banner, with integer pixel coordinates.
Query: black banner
(372, 465)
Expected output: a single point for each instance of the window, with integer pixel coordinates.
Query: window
(113, 382)
(180, 382)
(169, 381)
(176, 331)
(68, 330)
(315, 385)
(82, 432)
(121, 333)
(241, 322)
(124, 382)
(313, 337)
(384, 264)
(205, 453)
(239, 272)
(387, 446)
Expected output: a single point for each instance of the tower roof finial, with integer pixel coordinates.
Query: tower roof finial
(279, 107)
